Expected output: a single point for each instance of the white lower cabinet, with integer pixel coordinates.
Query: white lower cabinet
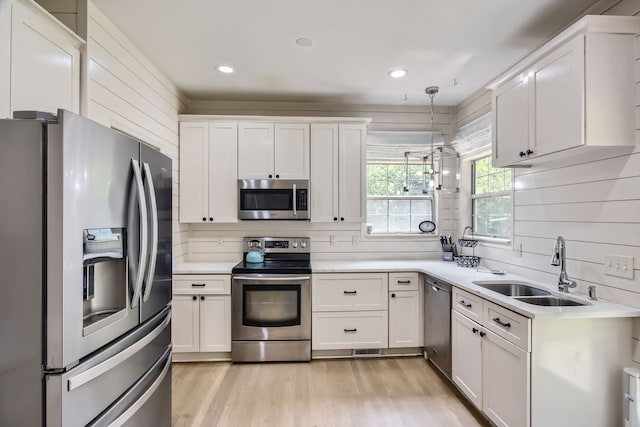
(357, 329)
(492, 372)
(201, 314)
(405, 310)
(349, 311)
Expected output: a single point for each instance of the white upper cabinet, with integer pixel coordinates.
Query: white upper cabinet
(45, 61)
(208, 176)
(273, 151)
(338, 155)
(560, 101)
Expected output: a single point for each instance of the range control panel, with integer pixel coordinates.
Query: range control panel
(278, 244)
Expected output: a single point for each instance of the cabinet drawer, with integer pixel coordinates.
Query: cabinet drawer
(346, 330)
(349, 292)
(468, 304)
(202, 284)
(404, 282)
(511, 326)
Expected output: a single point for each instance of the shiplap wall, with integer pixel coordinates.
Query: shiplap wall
(216, 242)
(122, 89)
(593, 203)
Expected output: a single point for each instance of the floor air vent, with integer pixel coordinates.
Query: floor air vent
(367, 352)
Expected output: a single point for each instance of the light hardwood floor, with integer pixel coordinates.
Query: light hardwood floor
(323, 393)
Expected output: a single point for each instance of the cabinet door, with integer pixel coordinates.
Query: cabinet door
(223, 172)
(45, 62)
(349, 329)
(215, 323)
(185, 321)
(510, 105)
(466, 357)
(557, 86)
(324, 173)
(255, 151)
(352, 157)
(405, 319)
(349, 291)
(505, 375)
(194, 172)
(291, 151)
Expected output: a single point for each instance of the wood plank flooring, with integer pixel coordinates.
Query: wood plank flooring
(403, 391)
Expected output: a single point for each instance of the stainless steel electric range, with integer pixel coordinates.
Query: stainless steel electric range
(271, 301)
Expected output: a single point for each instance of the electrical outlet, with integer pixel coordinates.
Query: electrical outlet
(220, 241)
(354, 240)
(618, 265)
(519, 250)
(332, 240)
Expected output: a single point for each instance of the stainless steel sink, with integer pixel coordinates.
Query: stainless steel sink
(512, 289)
(550, 301)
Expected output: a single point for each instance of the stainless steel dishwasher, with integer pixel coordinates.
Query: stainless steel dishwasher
(437, 323)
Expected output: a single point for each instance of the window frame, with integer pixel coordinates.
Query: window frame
(489, 195)
(430, 197)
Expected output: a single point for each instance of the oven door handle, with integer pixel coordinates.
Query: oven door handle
(271, 278)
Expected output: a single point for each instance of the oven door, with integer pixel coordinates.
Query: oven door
(271, 307)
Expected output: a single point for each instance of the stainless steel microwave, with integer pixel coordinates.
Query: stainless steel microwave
(273, 199)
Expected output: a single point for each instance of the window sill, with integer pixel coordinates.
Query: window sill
(497, 241)
(403, 236)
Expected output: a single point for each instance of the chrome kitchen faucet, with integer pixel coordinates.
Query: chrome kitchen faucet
(558, 258)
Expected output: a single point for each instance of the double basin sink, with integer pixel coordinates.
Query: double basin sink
(528, 294)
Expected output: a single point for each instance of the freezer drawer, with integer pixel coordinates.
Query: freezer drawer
(146, 404)
(78, 396)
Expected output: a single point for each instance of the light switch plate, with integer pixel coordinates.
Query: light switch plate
(618, 265)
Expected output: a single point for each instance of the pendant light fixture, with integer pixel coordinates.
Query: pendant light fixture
(431, 92)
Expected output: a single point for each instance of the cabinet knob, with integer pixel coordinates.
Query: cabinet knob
(277, 176)
(393, 295)
(270, 176)
(202, 298)
(341, 218)
(204, 219)
(482, 334)
(529, 152)
(474, 330)
(210, 218)
(195, 297)
(522, 154)
(335, 218)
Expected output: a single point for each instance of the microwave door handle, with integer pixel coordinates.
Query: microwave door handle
(144, 234)
(153, 207)
(295, 201)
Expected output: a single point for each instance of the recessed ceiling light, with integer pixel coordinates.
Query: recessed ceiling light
(398, 73)
(226, 69)
(304, 42)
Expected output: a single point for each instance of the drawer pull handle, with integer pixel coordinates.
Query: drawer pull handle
(404, 282)
(351, 330)
(198, 285)
(350, 292)
(464, 304)
(501, 323)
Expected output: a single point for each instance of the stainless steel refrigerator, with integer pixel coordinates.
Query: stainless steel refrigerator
(85, 283)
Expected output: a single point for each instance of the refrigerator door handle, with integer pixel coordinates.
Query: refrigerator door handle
(153, 207)
(102, 367)
(142, 207)
(131, 410)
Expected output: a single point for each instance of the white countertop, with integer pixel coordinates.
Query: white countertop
(458, 276)
(204, 267)
(462, 278)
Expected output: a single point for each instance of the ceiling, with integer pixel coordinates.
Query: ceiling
(458, 45)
